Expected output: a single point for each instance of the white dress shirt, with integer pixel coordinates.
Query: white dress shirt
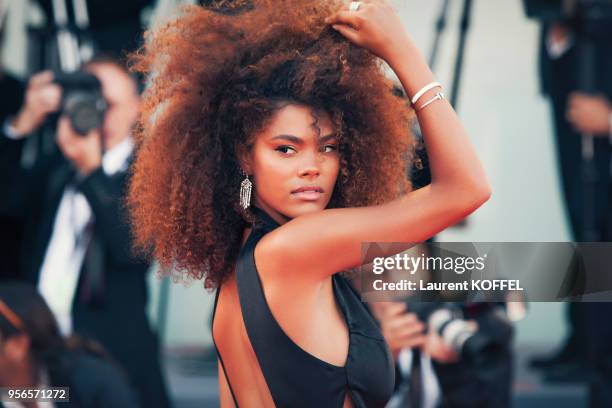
(431, 391)
(70, 238)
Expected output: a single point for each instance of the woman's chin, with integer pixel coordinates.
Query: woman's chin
(307, 207)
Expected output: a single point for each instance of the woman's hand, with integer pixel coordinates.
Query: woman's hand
(374, 26)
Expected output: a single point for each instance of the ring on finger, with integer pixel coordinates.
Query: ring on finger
(354, 6)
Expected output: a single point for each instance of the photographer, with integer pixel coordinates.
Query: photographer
(77, 245)
(565, 70)
(431, 373)
(562, 69)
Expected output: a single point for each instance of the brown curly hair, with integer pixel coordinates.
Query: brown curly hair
(216, 76)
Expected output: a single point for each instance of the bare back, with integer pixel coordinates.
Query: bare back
(303, 312)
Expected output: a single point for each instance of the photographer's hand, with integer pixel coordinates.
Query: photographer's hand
(85, 152)
(42, 97)
(436, 348)
(589, 114)
(400, 329)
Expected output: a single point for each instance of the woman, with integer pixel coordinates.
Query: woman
(271, 146)
(33, 354)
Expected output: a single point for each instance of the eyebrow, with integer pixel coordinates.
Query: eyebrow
(298, 140)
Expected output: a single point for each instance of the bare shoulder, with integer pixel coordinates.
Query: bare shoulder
(276, 274)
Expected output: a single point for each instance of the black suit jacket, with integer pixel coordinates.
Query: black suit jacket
(111, 297)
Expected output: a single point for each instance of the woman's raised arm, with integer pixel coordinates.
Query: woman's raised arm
(329, 241)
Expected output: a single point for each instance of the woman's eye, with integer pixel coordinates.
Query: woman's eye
(285, 149)
(332, 147)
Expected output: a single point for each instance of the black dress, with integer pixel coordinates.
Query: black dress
(294, 377)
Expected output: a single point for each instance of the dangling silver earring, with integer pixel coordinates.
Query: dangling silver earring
(245, 191)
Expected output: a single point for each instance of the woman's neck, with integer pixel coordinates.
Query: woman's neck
(275, 215)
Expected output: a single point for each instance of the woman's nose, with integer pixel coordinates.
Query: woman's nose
(311, 170)
(310, 166)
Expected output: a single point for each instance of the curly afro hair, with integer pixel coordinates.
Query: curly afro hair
(216, 75)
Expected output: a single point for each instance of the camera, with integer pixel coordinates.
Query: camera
(82, 100)
(450, 322)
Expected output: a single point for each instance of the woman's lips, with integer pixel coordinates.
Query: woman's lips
(308, 192)
(308, 195)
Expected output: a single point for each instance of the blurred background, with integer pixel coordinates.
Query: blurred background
(510, 122)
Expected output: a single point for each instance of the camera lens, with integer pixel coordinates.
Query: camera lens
(85, 110)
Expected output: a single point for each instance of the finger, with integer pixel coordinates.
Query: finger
(439, 350)
(394, 309)
(63, 131)
(93, 134)
(41, 78)
(405, 320)
(51, 97)
(397, 321)
(349, 33)
(413, 341)
(386, 310)
(410, 330)
(344, 17)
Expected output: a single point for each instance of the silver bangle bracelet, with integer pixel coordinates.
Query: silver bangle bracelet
(439, 96)
(423, 90)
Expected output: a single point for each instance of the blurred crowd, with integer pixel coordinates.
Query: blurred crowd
(65, 148)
